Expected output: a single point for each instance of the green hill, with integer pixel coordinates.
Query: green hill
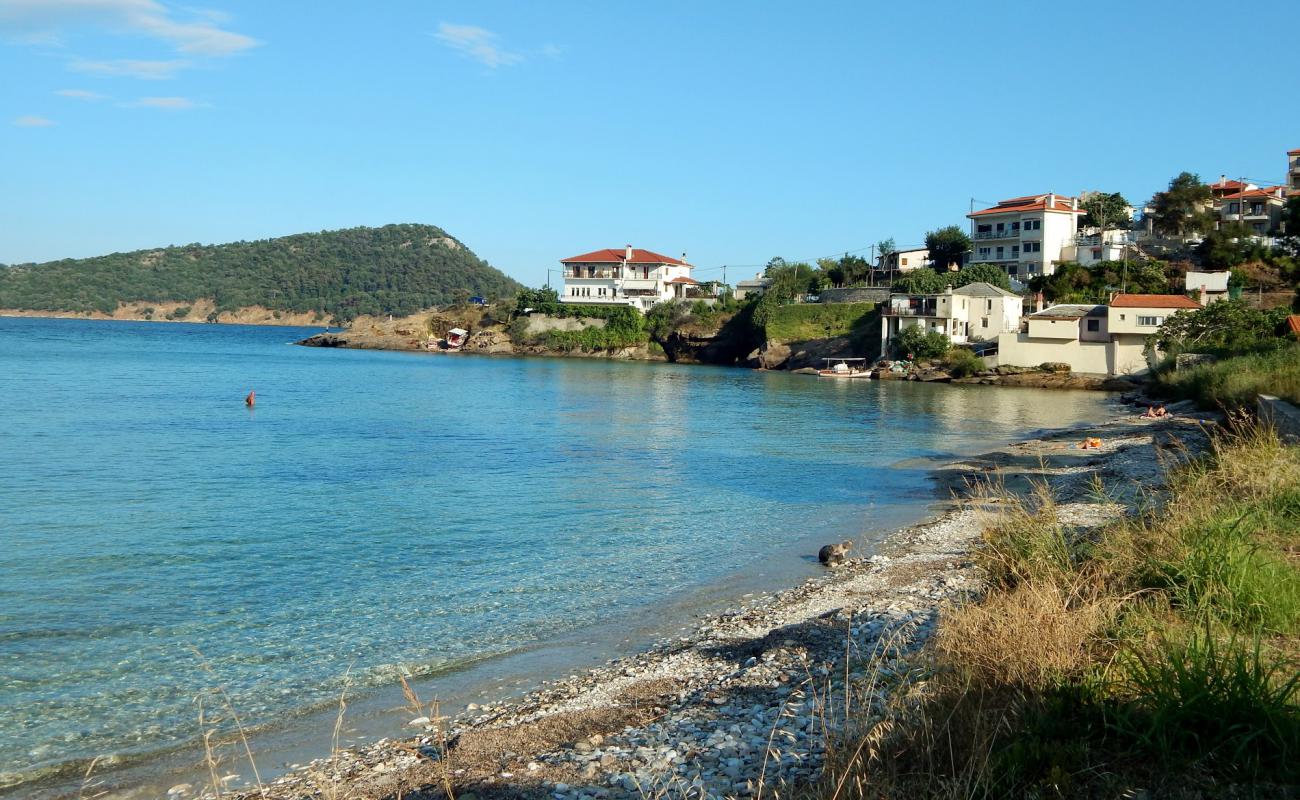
(396, 269)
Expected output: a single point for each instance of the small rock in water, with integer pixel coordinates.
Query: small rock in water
(419, 721)
(179, 789)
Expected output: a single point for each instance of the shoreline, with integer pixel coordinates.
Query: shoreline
(699, 713)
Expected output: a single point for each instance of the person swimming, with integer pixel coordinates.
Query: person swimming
(251, 400)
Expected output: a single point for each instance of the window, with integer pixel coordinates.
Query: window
(1000, 227)
(1032, 247)
(1000, 249)
(903, 261)
(1234, 208)
(1011, 270)
(1259, 227)
(1151, 321)
(988, 305)
(1015, 250)
(984, 252)
(1094, 325)
(1256, 209)
(983, 228)
(1033, 224)
(984, 322)
(1015, 226)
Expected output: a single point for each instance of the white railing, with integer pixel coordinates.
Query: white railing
(1013, 234)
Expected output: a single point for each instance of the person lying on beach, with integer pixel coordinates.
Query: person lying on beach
(1155, 412)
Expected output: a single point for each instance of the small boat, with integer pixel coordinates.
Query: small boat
(455, 338)
(845, 368)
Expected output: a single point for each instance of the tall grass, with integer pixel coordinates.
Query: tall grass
(1235, 382)
(1161, 652)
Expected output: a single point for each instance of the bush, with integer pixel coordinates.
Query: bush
(961, 362)
(917, 343)
(518, 331)
(179, 313)
(1235, 382)
(798, 323)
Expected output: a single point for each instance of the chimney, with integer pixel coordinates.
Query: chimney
(1201, 297)
(627, 254)
(1051, 199)
(1038, 302)
(683, 255)
(1074, 203)
(1223, 181)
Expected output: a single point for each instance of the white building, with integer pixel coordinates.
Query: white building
(1209, 286)
(1293, 171)
(1026, 236)
(903, 260)
(974, 313)
(1259, 210)
(630, 277)
(1094, 339)
(756, 285)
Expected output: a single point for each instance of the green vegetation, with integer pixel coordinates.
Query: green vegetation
(1234, 382)
(917, 343)
(947, 246)
(624, 327)
(1182, 208)
(799, 323)
(927, 281)
(1104, 210)
(961, 362)
(1160, 652)
(1074, 283)
(396, 269)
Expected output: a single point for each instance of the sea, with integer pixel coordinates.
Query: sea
(171, 558)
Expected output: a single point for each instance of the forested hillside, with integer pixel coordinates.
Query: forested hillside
(396, 269)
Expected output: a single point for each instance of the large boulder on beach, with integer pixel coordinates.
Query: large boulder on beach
(773, 355)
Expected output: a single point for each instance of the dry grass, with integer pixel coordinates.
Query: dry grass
(1158, 654)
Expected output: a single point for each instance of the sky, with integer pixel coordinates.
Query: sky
(731, 131)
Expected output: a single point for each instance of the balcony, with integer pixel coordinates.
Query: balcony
(594, 274)
(993, 258)
(1003, 234)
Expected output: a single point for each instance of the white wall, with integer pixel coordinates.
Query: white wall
(1022, 350)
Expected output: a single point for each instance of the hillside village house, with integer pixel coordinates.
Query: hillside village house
(1293, 172)
(1097, 339)
(754, 286)
(1260, 210)
(974, 313)
(903, 260)
(630, 277)
(1209, 286)
(1026, 236)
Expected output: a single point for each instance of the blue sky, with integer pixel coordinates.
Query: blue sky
(533, 131)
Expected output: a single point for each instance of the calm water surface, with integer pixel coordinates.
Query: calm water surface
(386, 512)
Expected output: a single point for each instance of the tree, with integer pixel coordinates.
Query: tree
(983, 273)
(922, 281)
(1181, 209)
(915, 342)
(885, 248)
(1289, 227)
(1228, 247)
(947, 247)
(1104, 211)
(1227, 327)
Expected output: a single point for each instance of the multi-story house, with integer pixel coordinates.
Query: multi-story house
(976, 312)
(754, 286)
(1293, 172)
(1096, 339)
(1260, 210)
(1026, 236)
(630, 277)
(903, 260)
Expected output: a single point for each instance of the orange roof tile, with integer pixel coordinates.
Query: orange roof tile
(1270, 191)
(1153, 301)
(612, 256)
(1293, 322)
(684, 279)
(1033, 202)
(1293, 152)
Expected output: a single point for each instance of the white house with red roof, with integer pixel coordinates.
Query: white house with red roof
(629, 277)
(1026, 236)
(1258, 209)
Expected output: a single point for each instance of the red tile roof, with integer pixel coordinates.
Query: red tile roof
(1153, 301)
(1033, 202)
(1293, 152)
(1228, 184)
(684, 279)
(1270, 191)
(612, 256)
(1293, 321)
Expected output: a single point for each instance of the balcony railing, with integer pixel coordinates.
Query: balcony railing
(993, 257)
(597, 274)
(1004, 234)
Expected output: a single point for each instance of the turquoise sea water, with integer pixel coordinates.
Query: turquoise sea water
(386, 511)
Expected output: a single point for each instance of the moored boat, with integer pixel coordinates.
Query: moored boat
(845, 368)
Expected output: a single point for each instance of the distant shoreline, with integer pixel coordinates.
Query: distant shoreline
(243, 316)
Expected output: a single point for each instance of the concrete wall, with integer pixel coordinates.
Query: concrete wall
(1280, 415)
(860, 295)
(1022, 350)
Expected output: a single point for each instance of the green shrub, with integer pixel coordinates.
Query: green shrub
(179, 313)
(518, 331)
(962, 363)
(917, 343)
(801, 322)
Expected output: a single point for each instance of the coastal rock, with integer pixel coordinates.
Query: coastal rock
(773, 355)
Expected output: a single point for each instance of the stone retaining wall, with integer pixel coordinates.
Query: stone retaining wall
(859, 295)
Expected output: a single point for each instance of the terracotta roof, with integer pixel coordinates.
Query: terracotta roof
(1293, 322)
(1153, 301)
(1033, 202)
(612, 256)
(1228, 184)
(1293, 152)
(1269, 191)
(684, 279)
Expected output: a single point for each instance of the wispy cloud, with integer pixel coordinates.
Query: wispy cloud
(201, 35)
(130, 68)
(166, 103)
(81, 94)
(34, 121)
(477, 43)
